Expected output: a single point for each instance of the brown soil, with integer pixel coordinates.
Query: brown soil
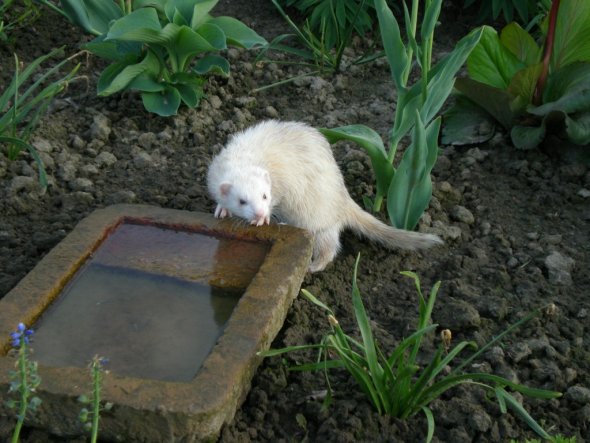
(502, 213)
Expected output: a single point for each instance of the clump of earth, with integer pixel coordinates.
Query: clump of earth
(516, 227)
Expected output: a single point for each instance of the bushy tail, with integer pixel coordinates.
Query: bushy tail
(367, 225)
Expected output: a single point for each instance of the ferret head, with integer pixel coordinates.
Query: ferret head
(247, 194)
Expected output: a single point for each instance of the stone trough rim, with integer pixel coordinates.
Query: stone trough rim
(249, 329)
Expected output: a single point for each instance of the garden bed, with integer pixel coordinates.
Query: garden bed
(516, 227)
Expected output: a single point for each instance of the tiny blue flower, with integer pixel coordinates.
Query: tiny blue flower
(21, 335)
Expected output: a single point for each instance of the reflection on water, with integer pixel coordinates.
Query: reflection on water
(129, 305)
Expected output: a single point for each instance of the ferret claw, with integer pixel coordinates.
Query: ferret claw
(260, 221)
(221, 212)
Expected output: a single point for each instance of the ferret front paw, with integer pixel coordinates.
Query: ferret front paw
(261, 221)
(221, 212)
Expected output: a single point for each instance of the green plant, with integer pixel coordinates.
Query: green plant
(97, 370)
(20, 112)
(16, 15)
(408, 187)
(153, 44)
(397, 385)
(24, 380)
(528, 90)
(491, 9)
(334, 19)
(321, 48)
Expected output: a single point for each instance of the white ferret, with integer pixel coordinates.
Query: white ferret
(287, 169)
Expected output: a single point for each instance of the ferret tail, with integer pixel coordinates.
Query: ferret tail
(367, 225)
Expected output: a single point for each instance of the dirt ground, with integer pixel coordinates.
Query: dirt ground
(515, 225)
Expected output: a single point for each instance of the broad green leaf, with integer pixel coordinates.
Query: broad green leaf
(523, 86)
(163, 103)
(185, 46)
(118, 76)
(494, 101)
(190, 87)
(237, 33)
(392, 43)
(576, 99)
(572, 77)
(189, 95)
(572, 33)
(521, 44)
(201, 12)
(146, 82)
(94, 16)
(372, 143)
(578, 128)
(410, 190)
(491, 62)
(466, 123)
(112, 50)
(212, 63)
(141, 25)
(214, 35)
(528, 137)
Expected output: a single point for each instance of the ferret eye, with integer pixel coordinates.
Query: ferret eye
(242, 201)
(263, 196)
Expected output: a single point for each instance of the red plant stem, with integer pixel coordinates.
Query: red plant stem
(537, 96)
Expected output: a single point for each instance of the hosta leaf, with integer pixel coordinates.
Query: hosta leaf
(495, 101)
(491, 62)
(372, 143)
(201, 12)
(187, 44)
(572, 33)
(212, 63)
(523, 85)
(141, 25)
(528, 137)
(189, 95)
(146, 82)
(113, 50)
(189, 86)
(94, 16)
(576, 99)
(237, 33)
(578, 128)
(466, 123)
(520, 43)
(213, 34)
(163, 103)
(561, 82)
(118, 76)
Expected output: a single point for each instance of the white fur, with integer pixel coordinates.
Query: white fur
(292, 165)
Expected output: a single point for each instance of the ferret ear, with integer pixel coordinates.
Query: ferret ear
(224, 188)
